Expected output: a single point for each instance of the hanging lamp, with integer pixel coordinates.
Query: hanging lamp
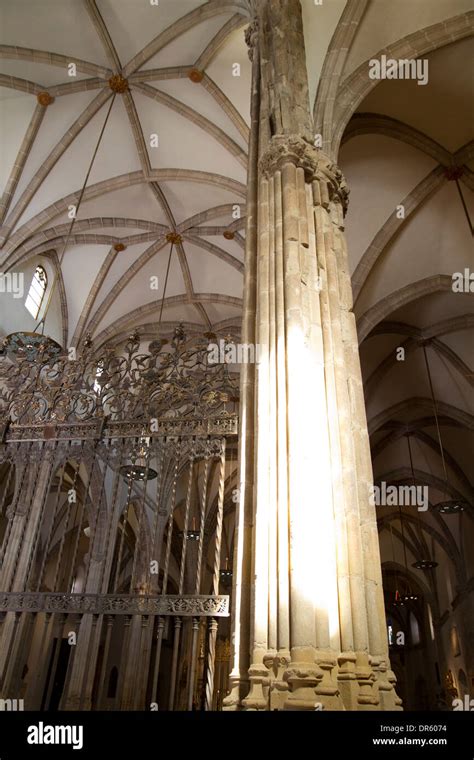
(139, 467)
(193, 534)
(447, 506)
(226, 573)
(419, 564)
(409, 595)
(397, 600)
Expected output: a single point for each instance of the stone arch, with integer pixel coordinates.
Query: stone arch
(437, 283)
(412, 202)
(333, 66)
(448, 411)
(358, 85)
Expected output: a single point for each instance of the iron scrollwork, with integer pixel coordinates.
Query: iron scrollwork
(175, 385)
(116, 604)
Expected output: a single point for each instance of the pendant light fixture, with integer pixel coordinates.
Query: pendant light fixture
(193, 534)
(425, 563)
(226, 573)
(397, 599)
(408, 595)
(139, 467)
(447, 506)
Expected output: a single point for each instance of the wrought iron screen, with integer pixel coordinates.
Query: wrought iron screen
(113, 483)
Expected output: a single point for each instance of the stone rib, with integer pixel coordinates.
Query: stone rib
(207, 55)
(412, 344)
(226, 105)
(55, 155)
(165, 73)
(333, 66)
(210, 213)
(423, 404)
(412, 292)
(203, 314)
(103, 34)
(185, 271)
(20, 161)
(180, 26)
(215, 251)
(194, 117)
(116, 183)
(358, 85)
(386, 234)
(92, 295)
(23, 85)
(137, 132)
(115, 291)
(14, 52)
(377, 124)
(81, 85)
(128, 319)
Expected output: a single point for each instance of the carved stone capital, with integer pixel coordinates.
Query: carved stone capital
(289, 149)
(251, 37)
(293, 149)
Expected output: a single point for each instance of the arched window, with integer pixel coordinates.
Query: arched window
(35, 296)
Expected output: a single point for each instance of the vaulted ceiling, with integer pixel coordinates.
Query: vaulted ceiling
(407, 152)
(172, 158)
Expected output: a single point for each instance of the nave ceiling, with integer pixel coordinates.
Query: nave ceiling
(395, 142)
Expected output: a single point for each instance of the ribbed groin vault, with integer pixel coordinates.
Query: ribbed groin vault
(236, 381)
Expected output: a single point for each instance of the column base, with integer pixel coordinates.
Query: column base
(303, 675)
(317, 680)
(385, 683)
(367, 698)
(278, 664)
(327, 691)
(257, 698)
(232, 702)
(347, 680)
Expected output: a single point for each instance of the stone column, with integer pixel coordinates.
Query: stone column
(123, 661)
(31, 492)
(144, 662)
(240, 622)
(136, 662)
(78, 689)
(105, 659)
(131, 664)
(316, 616)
